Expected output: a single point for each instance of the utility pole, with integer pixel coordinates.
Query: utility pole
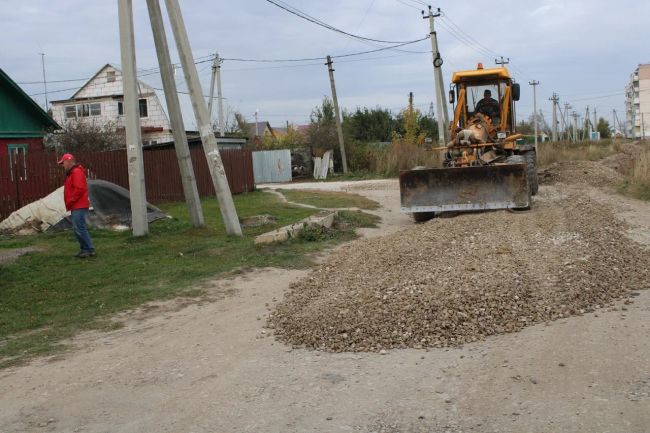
(216, 74)
(567, 124)
(339, 128)
(535, 84)
(137, 189)
(44, 80)
(222, 120)
(441, 100)
(588, 123)
(595, 120)
(215, 62)
(575, 126)
(562, 126)
(208, 138)
(257, 133)
(190, 190)
(502, 62)
(555, 99)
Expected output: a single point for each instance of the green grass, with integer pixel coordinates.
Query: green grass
(50, 295)
(329, 199)
(636, 190)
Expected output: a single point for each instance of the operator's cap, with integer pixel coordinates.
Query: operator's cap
(66, 157)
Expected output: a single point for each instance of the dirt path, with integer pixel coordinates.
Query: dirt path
(212, 367)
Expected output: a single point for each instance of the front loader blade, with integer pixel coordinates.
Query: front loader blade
(499, 186)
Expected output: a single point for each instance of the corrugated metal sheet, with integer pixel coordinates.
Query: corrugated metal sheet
(270, 166)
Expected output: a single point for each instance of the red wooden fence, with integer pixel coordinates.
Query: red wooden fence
(26, 178)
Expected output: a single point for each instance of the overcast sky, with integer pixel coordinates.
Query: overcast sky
(584, 50)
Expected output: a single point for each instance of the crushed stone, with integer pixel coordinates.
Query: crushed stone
(457, 280)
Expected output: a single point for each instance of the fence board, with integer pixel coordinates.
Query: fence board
(21, 184)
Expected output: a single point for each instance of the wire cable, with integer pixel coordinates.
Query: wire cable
(304, 16)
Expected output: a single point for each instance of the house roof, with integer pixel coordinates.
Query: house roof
(261, 126)
(107, 65)
(33, 108)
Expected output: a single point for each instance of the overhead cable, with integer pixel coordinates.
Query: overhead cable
(297, 12)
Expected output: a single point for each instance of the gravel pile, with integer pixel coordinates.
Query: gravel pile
(457, 280)
(592, 173)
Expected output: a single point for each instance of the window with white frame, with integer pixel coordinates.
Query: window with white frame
(17, 161)
(96, 109)
(83, 110)
(70, 111)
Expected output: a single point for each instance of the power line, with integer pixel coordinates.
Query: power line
(297, 12)
(408, 4)
(308, 59)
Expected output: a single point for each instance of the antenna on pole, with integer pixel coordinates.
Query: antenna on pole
(44, 79)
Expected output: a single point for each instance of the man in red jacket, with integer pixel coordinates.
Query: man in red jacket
(75, 195)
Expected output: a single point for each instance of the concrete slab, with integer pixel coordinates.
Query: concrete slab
(324, 219)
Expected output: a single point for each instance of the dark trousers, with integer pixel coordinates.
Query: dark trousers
(81, 231)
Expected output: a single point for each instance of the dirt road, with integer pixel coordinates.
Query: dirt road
(213, 367)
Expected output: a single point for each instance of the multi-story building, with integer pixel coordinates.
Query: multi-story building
(101, 100)
(637, 103)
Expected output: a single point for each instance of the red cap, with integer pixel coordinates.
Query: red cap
(66, 157)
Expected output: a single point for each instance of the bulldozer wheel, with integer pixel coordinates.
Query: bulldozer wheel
(531, 167)
(420, 217)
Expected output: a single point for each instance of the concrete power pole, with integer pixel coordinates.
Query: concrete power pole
(137, 190)
(208, 138)
(588, 124)
(216, 74)
(215, 63)
(502, 62)
(575, 126)
(595, 120)
(535, 84)
(566, 122)
(339, 128)
(222, 120)
(188, 180)
(555, 99)
(441, 100)
(561, 125)
(257, 132)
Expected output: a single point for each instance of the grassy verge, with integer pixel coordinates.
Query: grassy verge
(329, 199)
(637, 183)
(548, 153)
(49, 295)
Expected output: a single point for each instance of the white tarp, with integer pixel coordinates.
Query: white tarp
(37, 216)
(110, 208)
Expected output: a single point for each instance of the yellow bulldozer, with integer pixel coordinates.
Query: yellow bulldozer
(485, 165)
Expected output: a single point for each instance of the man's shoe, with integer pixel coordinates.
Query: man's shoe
(85, 254)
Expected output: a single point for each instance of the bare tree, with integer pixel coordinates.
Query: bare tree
(86, 136)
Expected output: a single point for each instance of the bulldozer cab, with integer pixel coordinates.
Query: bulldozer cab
(489, 92)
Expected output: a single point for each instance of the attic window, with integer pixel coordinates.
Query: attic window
(110, 76)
